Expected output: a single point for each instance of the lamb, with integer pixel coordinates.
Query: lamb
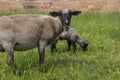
(72, 38)
(27, 31)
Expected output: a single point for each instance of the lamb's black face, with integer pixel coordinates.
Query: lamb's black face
(65, 16)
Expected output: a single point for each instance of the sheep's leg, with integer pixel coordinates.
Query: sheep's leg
(10, 62)
(53, 45)
(1, 48)
(9, 48)
(74, 47)
(41, 49)
(10, 59)
(69, 45)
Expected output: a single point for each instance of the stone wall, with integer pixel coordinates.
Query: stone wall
(47, 5)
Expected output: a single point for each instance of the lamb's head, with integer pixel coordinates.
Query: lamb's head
(65, 16)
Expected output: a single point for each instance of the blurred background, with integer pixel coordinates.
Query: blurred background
(48, 5)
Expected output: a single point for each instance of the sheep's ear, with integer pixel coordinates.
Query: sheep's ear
(76, 12)
(54, 14)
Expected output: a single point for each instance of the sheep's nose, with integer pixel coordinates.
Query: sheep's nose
(66, 21)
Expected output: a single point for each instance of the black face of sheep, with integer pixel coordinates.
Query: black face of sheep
(65, 16)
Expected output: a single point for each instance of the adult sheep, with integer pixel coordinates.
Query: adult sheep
(26, 31)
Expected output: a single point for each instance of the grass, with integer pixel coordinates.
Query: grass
(100, 62)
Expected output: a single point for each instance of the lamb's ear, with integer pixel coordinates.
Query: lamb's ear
(54, 14)
(76, 12)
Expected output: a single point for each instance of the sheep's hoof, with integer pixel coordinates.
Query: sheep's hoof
(42, 68)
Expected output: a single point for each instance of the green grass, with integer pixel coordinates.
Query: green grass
(100, 62)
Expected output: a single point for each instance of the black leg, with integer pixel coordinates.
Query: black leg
(52, 48)
(69, 45)
(74, 47)
(53, 45)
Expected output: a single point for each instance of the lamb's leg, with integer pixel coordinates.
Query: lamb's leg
(69, 45)
(74, 47)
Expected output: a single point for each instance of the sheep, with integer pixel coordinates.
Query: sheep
(27, 31)
(72, 38)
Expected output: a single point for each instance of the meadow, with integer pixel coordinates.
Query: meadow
(100, 62)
